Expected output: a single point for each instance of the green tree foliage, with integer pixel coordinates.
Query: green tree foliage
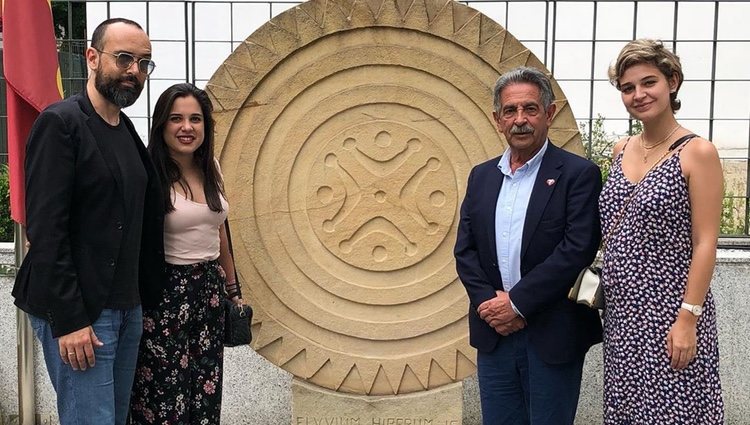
(69, 20)
(598, 143)
(732, 214)
(70, 31)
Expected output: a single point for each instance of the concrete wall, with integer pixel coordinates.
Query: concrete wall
(257, 392)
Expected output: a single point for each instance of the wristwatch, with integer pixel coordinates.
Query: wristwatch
(697, 310)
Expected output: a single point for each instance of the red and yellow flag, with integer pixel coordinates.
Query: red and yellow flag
(32, 74)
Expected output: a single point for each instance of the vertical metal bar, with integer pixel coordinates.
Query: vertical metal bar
(635, 32)
(148, 87)
(591, 82)
(70, 49)
(507, 11)
(746, 226)
(674, 23)
(187, 43)
(70, 18)
(715, 45)
(192, 32)
(546, 30)
(554, 40)
(24, 346)
(674, 27)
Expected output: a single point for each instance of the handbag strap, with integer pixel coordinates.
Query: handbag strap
(682, 140)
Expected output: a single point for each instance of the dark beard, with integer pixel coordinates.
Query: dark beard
(115, 92)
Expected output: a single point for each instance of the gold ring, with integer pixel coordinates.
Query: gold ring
(71, 354)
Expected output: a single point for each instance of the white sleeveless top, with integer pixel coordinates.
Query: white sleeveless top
(191, 231)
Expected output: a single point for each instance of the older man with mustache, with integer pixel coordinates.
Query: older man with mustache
(529, 223)
(94, 218)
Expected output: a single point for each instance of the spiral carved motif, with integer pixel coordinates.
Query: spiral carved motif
(346, 130)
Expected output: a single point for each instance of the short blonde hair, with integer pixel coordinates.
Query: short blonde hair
(650, 52)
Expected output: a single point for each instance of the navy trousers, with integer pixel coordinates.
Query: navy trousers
(517, 388)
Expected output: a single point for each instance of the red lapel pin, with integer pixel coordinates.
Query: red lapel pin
(550, 182)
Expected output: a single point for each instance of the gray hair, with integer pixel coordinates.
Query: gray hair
(524, 74)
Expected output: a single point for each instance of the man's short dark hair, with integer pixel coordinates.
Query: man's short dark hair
(97, 39)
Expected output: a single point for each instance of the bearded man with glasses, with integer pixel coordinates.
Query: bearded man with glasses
(94, 221)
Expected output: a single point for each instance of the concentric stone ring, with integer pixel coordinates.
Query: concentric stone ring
(346, 131)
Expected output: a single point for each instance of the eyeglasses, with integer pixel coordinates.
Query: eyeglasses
(511, 111)
(125, 60)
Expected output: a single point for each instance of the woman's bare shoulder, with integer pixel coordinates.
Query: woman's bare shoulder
(619, 146)
(699, 150)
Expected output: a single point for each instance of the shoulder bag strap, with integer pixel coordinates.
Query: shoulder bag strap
(678, 143)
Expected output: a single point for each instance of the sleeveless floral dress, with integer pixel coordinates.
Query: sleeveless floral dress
(645, 271)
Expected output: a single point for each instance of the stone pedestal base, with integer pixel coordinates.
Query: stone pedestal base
(312, 405)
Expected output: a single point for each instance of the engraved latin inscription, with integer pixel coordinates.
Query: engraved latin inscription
(390, 420)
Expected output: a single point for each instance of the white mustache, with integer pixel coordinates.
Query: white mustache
(524, 129)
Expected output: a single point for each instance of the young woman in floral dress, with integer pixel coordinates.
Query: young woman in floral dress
(661, 357)
(179, 372)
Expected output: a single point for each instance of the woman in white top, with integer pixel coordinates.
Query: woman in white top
(179, 372)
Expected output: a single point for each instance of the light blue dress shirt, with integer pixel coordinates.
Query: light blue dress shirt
(510, 214)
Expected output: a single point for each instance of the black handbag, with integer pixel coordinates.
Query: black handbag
(237, 320)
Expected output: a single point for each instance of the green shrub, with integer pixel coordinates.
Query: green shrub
(732, 214)
(598, 143)
(6, 223)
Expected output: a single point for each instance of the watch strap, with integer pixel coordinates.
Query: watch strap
(695, 309)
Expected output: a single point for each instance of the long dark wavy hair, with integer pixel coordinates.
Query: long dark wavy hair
(166, 167)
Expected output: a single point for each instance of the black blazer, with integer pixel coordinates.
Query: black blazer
(561, 235)
(74, 212)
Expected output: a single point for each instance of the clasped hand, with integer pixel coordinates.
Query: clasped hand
(499, 314)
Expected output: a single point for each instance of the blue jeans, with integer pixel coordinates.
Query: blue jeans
(100, 395)
(517, 388)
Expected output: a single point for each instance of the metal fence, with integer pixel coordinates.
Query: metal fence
(577, 40)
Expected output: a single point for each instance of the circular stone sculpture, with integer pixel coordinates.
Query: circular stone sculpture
(346, 131)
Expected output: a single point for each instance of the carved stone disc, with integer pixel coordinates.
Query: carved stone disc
(346, 131)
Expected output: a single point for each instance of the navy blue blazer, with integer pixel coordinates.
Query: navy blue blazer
(561, 235)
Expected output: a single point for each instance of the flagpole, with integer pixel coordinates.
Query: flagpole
(32, 75)
(24, 346)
